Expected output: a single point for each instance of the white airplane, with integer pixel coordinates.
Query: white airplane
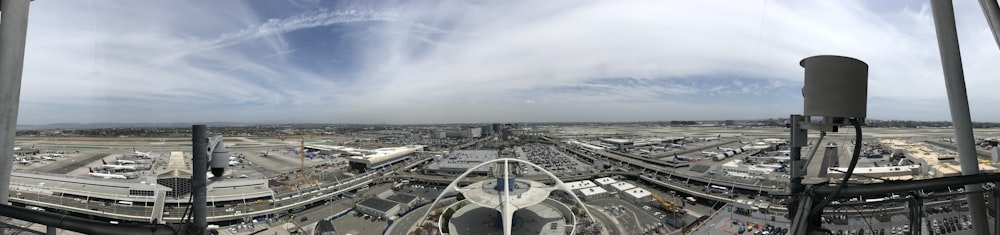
(47, 158)
(105, 175)
(118, 167)
(24, 161)
(681, 145)
(142, 154)
(736, 150)
(711, 138)
(124, 162)
(686, 159)
(772, 166)
(715, 154)
(234, 162)
(658, 148)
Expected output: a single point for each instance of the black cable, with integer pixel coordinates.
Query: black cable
(865, 219)
(847, 175)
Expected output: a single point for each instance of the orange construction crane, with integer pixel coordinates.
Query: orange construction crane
(666, 205)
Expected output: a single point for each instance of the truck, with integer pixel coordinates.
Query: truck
(669, 207)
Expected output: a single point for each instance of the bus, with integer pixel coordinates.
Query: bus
(127, 203)
(718, 189)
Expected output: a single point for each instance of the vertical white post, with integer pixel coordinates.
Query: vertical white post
(958, 103)
(13, 33)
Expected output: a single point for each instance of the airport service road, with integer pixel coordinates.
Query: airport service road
(402, 225)
(633, 218)
(611, 226)
(321, 212)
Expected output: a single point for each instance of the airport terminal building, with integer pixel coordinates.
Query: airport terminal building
(364, 159)
(460, 161)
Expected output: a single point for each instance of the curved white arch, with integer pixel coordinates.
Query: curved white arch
(453, 186)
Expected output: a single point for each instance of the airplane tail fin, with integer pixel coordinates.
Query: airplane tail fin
(102, 161)
(91, 169)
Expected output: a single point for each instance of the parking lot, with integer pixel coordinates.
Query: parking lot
(634, 219)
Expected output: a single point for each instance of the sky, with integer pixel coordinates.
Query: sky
(428, 61)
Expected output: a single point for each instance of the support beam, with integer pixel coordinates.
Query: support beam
(958, 103)
(199, 178)
(992, 12)
(13, 33)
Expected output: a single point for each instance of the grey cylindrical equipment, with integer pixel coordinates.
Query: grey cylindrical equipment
(835, 87)
(220, 158)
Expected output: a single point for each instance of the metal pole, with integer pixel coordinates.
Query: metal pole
(958, 103)
(13, 33)
(199, 179)
(798, 138)
(996, 211)
(992, 13)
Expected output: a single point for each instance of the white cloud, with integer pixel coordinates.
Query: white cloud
(453, 61)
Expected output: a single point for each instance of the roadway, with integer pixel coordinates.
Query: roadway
(679, 174)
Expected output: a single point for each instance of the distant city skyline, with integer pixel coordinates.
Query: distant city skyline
(404, 62)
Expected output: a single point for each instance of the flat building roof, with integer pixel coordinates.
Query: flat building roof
(638, 193)
(622, 186)
(463, 159)
(605, 181)
(378, 204)
(580, 184)
(593, 191)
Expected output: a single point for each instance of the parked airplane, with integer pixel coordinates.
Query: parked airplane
(24, 161)
(736, 150)
(118, 167)
(772, 166)
(105, 175)
(233, 162)
(146, 155)
(686, 159)
(47, 158)
(782, 158)
(680, 146)
(715, 154)
(711, 138)
(124, 162)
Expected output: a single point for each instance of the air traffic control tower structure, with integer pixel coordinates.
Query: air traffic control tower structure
(508, 205)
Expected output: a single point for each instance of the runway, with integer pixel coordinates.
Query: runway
(61, 167)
